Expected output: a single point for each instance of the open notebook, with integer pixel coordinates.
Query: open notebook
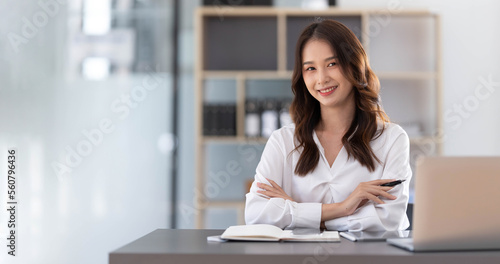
(263, 232)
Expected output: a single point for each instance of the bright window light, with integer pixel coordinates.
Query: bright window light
(96, 68)
(96, 17)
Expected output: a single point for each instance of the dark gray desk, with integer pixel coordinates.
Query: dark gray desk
(191, 246)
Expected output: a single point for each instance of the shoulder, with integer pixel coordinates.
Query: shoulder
(391, 134)
(284, 137)
(393, 130)
(285, 133)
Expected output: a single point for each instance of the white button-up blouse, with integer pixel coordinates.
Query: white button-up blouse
(330, 185)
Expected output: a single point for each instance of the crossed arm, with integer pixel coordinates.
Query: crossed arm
(364, 192)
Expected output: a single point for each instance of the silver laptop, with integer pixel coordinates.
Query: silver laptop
(456, 205)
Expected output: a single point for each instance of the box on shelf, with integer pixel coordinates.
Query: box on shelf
(219, 120)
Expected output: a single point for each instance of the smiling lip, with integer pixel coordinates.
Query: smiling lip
(327, 91)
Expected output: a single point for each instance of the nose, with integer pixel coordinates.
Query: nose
(323, 76)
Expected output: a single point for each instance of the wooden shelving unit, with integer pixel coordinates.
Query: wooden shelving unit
(247, 43)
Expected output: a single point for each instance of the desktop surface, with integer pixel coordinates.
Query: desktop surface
(191, 246)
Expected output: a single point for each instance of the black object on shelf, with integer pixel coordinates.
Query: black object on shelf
(219, 119)
(207, 122)
(228, 117)
(245, 43)
(238, 2)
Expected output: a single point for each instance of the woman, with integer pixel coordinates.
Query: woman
(326, 170)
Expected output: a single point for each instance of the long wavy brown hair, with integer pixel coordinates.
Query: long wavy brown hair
(305, 109)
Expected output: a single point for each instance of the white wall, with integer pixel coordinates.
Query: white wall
(470, 54)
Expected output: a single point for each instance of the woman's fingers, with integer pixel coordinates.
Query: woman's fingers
(273, 191)
(271, 194)
(266, 193)
(374, 198)
(371, 191)
(386, 195)
(274, 187)
(375, 188)
(380, 182)
(367, 191)
(386, 189)
(274, 184)
(264, 186)
(380, 191)
(268, 190)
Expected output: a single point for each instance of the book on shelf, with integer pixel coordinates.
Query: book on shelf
(264, 232)
(219, 119)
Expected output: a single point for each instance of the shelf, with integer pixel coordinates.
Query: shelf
(247, 53)
(232, 140)
(424, 139)
(223, 204)
(247, 74)
(274, 11)
(261, 140)
(288, 74)
(147, 12)
(406, 75)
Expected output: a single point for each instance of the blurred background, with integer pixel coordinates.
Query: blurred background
(98, 97)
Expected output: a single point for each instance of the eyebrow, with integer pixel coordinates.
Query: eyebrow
(327, 59)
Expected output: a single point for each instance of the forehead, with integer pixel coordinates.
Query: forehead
(317, 49)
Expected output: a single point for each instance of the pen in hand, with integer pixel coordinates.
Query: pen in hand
(393, 183)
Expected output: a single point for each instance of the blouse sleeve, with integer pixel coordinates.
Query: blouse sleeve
(391, 215)
(277, 211)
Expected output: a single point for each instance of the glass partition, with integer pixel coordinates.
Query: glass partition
(86, 102)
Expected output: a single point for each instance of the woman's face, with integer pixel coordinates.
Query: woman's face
(323, 75)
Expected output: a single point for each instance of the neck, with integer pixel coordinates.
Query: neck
(336, 120)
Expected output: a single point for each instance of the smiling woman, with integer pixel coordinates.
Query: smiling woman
(326, 170)
(340, 60)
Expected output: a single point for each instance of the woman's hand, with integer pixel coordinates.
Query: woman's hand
(273, 190)
(365, 192)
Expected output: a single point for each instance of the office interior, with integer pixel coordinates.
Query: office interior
(99, 100)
